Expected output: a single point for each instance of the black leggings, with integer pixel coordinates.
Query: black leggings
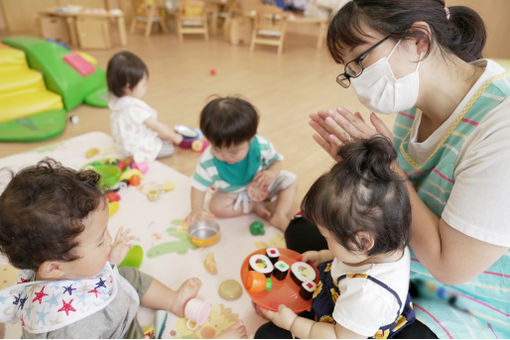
(416, 330)
(301, 235)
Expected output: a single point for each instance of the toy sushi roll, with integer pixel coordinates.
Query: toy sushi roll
(307, 289)
(273, 254)
(302, 272)
(281, 269)
(261, 264)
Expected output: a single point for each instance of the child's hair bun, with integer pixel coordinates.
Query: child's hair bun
(370, 158)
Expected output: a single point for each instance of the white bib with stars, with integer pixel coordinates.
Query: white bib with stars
(44, 306)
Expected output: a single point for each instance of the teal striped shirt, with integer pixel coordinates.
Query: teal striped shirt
(206, 174)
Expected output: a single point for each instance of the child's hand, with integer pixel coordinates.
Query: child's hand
(312, 256)
(283, 318)
(258, 310)
(263, 178)
(194, 216)
(177, 138)
(120, 246)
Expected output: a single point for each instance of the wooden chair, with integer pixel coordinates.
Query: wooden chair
(192, 18)
(146, 14)
(226, 12)
(269, 27)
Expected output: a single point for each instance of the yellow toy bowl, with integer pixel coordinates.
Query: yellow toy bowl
(204, 233)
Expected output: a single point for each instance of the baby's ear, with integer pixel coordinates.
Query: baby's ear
(50, 270)
(365, 240)
(127, 89)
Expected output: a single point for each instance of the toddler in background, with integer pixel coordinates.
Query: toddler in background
(135, 126)
(362, 209)
(53, 226)
(236, 157)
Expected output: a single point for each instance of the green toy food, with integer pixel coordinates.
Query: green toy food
(257, 228)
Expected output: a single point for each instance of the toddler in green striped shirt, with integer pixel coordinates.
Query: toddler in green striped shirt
(237, 158)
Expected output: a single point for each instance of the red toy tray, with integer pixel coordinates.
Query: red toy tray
(285, 291)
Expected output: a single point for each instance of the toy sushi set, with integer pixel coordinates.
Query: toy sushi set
(274, 276)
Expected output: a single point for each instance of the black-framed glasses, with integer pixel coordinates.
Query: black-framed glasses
(354, 68)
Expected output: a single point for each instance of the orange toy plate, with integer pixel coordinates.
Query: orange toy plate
(285, 291)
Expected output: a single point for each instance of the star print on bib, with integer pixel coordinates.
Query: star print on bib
(44, 306)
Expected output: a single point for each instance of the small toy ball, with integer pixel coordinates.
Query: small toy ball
(230, 290)
(257, 228)
(92, 152)
(212, 72)
(133, 258)
(74, 119)
(134, 180)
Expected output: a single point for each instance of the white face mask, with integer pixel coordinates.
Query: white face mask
(379, 90)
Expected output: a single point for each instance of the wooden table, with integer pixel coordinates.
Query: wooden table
(212, 8)
(302, 20)
(72, 18)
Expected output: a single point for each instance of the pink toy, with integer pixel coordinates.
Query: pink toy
(121, 165)
(77, 62)
(256, 193)
(212, 72)
(142, 166)
(196, 311)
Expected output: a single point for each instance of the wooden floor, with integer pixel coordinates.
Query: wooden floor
(285, 89)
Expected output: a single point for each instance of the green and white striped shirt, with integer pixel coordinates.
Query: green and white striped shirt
(206, 174)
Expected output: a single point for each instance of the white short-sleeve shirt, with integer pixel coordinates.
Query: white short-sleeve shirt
(479, 204)
(363, 306)
(132, 137)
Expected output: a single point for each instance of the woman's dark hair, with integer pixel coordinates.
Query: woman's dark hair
(41, 213)
(362, 193)
(227, 121)
(124, 69)
(457, 29)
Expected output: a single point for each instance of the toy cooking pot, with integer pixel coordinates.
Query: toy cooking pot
(204, 233)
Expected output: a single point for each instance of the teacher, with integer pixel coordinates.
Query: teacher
(422, 61)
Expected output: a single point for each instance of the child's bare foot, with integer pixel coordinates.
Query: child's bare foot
(280, 221)
(236, 331)
(260, 209)
(188, 290)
